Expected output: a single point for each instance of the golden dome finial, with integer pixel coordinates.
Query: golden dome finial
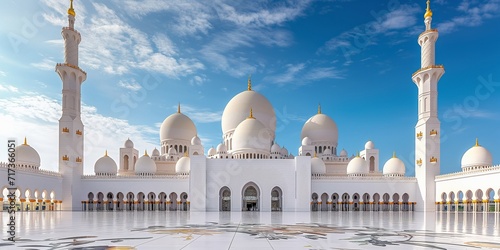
(315, 154)
(251, 114)
(428, 12)
(357, 155)
(394, 154)
(179, 107)
(477, 143)
(146, 152)
(250, 82)
(186, 154)
(25, 141)
(106, 153)
(319, 108)
(71, 11)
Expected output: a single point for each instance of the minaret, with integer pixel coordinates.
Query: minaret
(427, 130)
(71, 131)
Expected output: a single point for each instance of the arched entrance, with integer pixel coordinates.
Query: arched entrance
(276, 203)
(91, 201)
(162, 204)
(324, 202)
(151, 201)
(119, 201)
(109, 201)
(100, 201)
(184, 202)
(225, 199)
(251, 194)
(173, 201)
(314, 202)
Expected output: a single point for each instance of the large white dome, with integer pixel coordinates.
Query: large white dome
(26, 155)
(357, 166)
(394, 167)
(320, 128)
(105, 165)
(183, 165)
(317, 166)
(251, 134)
(177, 127)
(477, 156)
(236, 111)
(145, 165)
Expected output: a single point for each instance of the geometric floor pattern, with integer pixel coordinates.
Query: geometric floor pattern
(253, 230)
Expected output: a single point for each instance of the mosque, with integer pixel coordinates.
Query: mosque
(249, 171)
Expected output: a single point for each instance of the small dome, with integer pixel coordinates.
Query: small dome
(105, 165)
(172, 151)
(343, 153)
(26, 155)
(317, 166)
(276, 148)
(177, 127)
(212, 151)
(357, 166)
(477, 156)
(251, 134)
(156, 152)
(306, 141)
(221, 148)
(145, 165)
(183, 165)
(196, 141)
(129, 143)
(394, 166)
(284, 151)
(320, 128)
(369, 145)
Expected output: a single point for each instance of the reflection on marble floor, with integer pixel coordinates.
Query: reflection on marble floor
(254, 230)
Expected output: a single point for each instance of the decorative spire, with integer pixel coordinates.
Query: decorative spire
(106, 153)
(357, 155)
(477, 143)
(319, 108)
(250, 82)
(428, 12)
(25, 141)
(251, 114)
(71, 11)
(146, 152)
(394, 154)
(315, 154)
(186, 154)
(179, 107)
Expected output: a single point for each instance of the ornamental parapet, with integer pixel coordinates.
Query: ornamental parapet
(427, 31)
(428, 67)
(107, 177)
(493, 169)
(29, 169)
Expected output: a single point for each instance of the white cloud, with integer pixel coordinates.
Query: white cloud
(130, 85)
(302, 73)
(2, 73)
(8, 88)
(164, 44)
(354, 41)
(36, 117)
(197, 80)
(200, 115)
(472, 14)
(45, 64)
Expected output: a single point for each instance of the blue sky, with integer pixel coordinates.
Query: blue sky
(354, 57)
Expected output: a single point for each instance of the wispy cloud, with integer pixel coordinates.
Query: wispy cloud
(200, 115)
(35, 116)
(302, 73)
(2, 73)
(130, 85)
(356, 40)
(472, 13)
(45, 64)
(8, 88)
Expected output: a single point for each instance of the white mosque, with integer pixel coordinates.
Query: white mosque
(249, 171)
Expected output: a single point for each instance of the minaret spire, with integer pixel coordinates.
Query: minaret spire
(179, 108)
(249, 82)
(428, 16)
(319, 108)
(71, 11)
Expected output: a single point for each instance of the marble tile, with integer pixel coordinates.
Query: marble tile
(253, 230)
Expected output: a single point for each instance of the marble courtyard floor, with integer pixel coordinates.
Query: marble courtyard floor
(253, 230)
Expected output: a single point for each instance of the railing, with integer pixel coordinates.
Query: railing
(428, 67)
(71, 66)
(383, 178)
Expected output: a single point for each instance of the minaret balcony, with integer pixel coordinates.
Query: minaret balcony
(428, 67)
